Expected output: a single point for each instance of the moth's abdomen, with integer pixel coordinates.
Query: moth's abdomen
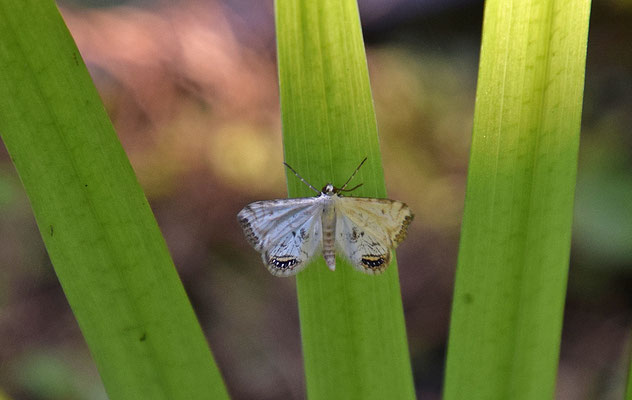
(329, 235)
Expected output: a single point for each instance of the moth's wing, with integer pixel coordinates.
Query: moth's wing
(266, 221)
(367, 229)
(296, 246)
(286, 232)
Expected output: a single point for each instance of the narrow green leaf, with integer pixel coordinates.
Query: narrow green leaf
(98, 228)
(628, 391)
(515, 240)
(352, 325)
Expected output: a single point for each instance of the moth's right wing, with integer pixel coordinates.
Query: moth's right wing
(287, 232)
(368, 229)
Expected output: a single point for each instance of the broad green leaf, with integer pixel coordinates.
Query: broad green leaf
(628, 392)
(515, 240)
(352, 325)
(96, 224)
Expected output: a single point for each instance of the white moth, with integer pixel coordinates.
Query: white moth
(289, 232)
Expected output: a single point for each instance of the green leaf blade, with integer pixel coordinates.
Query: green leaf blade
(628, 390)
(99, 231)
(513, 257)
(352, 325)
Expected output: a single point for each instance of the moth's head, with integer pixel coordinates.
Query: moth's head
(329, 189)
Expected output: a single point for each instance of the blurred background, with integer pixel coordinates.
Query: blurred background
(191, 87)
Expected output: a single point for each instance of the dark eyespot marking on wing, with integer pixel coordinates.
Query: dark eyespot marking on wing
(372, 261)
(375, 263)
(283, 263)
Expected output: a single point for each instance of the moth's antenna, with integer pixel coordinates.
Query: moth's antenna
(301, 178)
(352, 189)
(352, 175)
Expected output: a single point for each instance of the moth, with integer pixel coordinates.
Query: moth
(289, 232)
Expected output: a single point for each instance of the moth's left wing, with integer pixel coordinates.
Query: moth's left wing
(265, 221)
(286, 232)
(367, 229)
(293, 250)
